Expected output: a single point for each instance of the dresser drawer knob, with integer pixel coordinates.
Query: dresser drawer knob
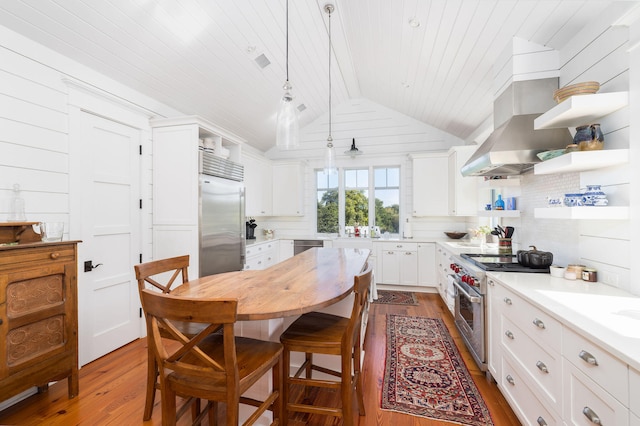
(508, 301)
(591, 415)
(542, 367)
(54, 255)
(538, 323)
(588, 358)
(510, 379)
(541, 421)
(509, 334)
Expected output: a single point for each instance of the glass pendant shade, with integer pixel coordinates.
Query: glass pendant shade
(287, 130)
(330, 158)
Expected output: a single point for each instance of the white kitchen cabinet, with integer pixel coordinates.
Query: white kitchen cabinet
(463, 191)
(288, 189)
(427, 265)
(398, 263)
(430, 184)
(261, 255)
(285, 250)
(258, 185)
(443, 261)
(634, 396)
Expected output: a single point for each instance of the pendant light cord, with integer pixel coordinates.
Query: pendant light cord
(287, 44)
(330, 138)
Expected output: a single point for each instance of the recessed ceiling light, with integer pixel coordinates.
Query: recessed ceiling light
(414, 22)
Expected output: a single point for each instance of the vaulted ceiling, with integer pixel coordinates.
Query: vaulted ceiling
(431, 60)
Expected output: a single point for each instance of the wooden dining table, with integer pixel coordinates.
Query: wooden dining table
(311, 280)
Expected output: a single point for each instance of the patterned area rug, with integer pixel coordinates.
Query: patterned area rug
(426, 376)
(391, 297)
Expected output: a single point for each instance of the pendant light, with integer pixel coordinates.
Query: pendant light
(330, 152)
(287, 127)
(353, 151)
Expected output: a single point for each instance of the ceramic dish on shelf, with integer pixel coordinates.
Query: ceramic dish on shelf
(548, 155)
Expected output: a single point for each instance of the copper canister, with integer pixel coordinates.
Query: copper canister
(589, 274)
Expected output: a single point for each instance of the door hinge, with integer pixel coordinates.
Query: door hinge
(140, 149)
(140, 203)
(140, 258)
(140, 313)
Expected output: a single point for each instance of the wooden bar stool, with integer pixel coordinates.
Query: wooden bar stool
(211, 366)
(322, 333)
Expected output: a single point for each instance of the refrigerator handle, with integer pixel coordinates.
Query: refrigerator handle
(243, 237)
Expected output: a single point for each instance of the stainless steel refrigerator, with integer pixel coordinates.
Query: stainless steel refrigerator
(222, 223)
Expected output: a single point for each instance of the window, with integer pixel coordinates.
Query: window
(328, 205)
(343, 204)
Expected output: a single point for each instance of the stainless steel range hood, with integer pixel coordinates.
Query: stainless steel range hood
(512, 147)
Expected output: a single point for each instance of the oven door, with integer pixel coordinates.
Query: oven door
(470, 321)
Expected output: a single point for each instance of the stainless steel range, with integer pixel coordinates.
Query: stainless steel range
(468, 273)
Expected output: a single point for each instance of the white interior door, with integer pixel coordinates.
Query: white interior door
(111, 221)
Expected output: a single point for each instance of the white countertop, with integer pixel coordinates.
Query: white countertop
(607, 315)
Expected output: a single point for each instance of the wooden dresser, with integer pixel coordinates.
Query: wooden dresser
(38, 316)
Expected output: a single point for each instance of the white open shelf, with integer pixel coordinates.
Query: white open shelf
(578, 161)
(583, 212)
(499, 183)
(581, 109)
(499, 213)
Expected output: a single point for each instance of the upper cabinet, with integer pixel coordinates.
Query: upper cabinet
(288, 189)
(258, 187)
(462, 190)
(581, 110)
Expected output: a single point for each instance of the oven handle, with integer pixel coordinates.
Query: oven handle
(472, 299)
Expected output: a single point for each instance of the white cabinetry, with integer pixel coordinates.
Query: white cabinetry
(462, 199)
(443, 260)
(258, 185)
(427, 265)
(288, 189)
(176, 169)
(430, 188)
(261, 255)
(398, 263)
(286, 250)
(634, 397)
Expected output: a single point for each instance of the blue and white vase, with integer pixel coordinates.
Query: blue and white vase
(594, 196)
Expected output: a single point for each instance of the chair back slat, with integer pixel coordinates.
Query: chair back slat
(178, 265)
(361, 286)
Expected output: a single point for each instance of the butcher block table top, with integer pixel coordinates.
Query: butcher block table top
(311, 280)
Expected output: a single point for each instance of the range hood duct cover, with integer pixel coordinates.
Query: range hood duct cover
(512, 147)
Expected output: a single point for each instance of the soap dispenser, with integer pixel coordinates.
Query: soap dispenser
(16, 213)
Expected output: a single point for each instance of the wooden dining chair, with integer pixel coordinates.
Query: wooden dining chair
(322, 333)
(216, 367)
(162, 274)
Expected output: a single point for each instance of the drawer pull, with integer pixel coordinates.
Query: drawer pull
(510, 379)
(399, 246)
(541, 421)
(491, 283)
(587, 357)
(508, 301)
(407, 253)
(542, 367)
(538, 323)
(591, 415)
(54, 255)
(509, 334)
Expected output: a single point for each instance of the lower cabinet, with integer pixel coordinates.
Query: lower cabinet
(261, 255)
(551, 374)
(634, 397)
(286, 250)
(399, 263)
(427, 265)
(442, 262)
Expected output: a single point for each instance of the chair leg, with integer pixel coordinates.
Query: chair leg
(347, 391)
(357, 377)
(168, 402)
(286, 371)
(152, 377)
(276, 379)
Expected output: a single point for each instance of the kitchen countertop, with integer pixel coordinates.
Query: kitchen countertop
(607, 315)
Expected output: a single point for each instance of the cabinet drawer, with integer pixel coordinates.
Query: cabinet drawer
(606, 370)
(398, 246)
(585, 401)
(542, 366)
(538, 325)
(634, 391)
(37, 256)
(525, 403)
(258, 248)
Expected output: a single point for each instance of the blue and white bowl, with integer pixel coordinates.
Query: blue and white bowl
(573, 200)
(594, 196)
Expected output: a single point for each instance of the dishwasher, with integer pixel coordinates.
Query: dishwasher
(301, 245)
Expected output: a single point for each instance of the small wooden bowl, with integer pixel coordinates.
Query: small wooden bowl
(455, 235)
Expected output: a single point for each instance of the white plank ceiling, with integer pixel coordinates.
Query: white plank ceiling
(198, 56)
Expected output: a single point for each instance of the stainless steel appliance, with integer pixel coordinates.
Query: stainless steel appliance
(222, 221)
(301, 245)
(468, 273)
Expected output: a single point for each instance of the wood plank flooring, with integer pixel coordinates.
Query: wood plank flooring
(112, 387)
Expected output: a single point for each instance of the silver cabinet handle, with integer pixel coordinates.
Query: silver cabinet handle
(407, 253)
(509, 334)
(541, 421)
(542, 367)
(491, 283)
(510, 379)
(588, 358)
(538, 323)
(508, 301)
(591, 415)
(399, 246)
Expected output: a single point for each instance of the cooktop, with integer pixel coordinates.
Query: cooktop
(500, 263)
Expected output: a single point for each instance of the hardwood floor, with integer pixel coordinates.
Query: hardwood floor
(112, 387)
